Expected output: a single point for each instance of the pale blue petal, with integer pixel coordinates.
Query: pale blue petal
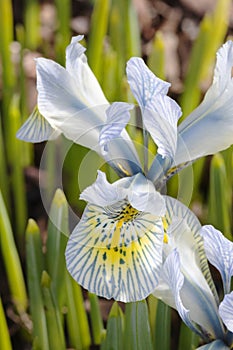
(196, 293)
(226, 311)
(219, 251)
(209, 128)
(37, 129)
(118, 116)
(160, 118)
(73, 52)
(116, 252)
(139, 191)
(103, 193)
(58, 95)
(143, 196)
(143, 83)
(223, 68)
(122, 156)
(190, 237)
(174, 279)
(215, 345)
(87, 86)
(67, 102)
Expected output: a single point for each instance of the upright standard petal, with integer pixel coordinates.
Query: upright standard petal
(88, 87)
(116, 251)
(209, 128)
(118, 116)
(143, 83)
(160, 118)
(226, 311)
(219, 251)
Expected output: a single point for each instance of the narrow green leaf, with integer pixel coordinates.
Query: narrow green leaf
(6, 38)
(63, 10)
(72, 316)
(137, 328)
(4, 180)
(156, 59)
(131, 30)
(162, 332)
(115, 327)
(58, 232)
(117, 40)
(219, 196)
(98, 30)
(152, 309)
(5, 342)
(18, 182)
(110, 84)
(77, 322)
(12, 261)
(96, 319)
(53, 316)
(35, 266)
(188, 340)
(32, 25)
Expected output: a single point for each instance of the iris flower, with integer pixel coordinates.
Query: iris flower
(185, 282)
(116, 250)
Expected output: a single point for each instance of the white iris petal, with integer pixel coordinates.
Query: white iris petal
(143, 83)
(72, 102)
(174, 279)
(209, 128)
(226, 311)
(143, 196)
(137, 189)
(197, 294)
(160, 118)
(117, 118)
(103, 193)
(116, 249)
(219, 251)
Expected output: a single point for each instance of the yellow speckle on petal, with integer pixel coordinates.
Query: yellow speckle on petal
(165, 227)
(165, 238)
(123, 170)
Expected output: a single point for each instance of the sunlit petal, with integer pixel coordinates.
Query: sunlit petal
(226, 311)
(143, 196)
(209, 128)
(37, 129)
(174, 278)
(118, 116)
(116, 251)
(137, 189)
(160, 118)
(103, 193)
(143, 83)
(88, 88)
(198, 293)
(219, 251)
